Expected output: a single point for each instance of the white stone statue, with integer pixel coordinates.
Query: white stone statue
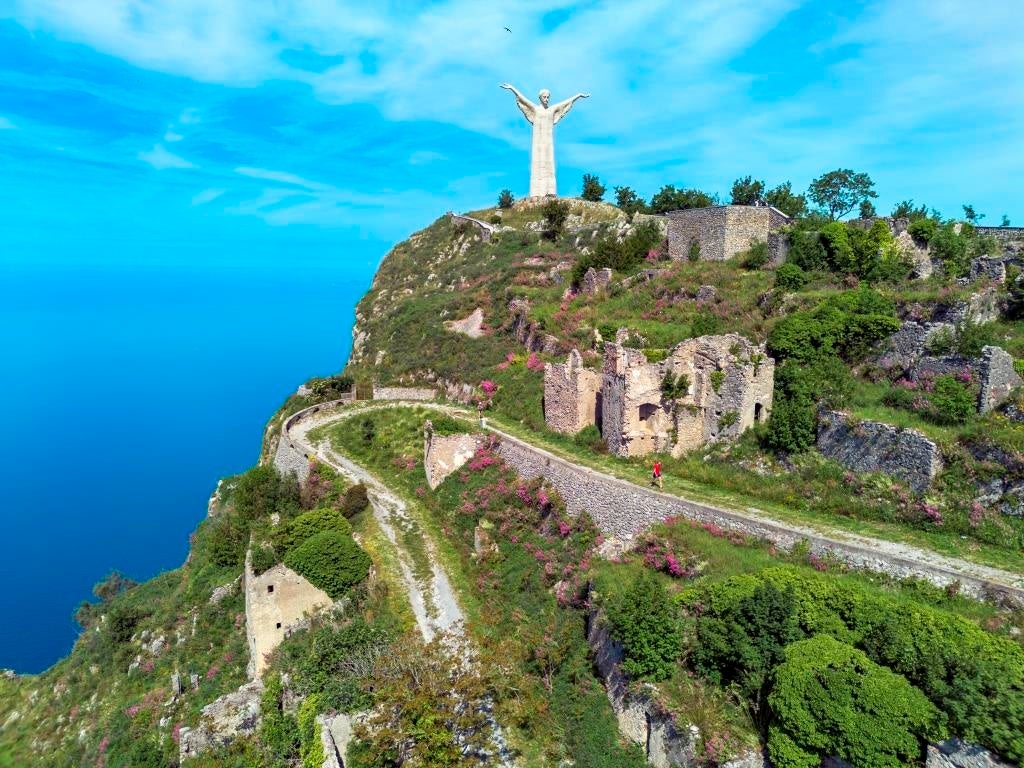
(542, 153)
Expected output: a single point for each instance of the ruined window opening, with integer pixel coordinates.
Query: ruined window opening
(758, 412)
(647, 410)
(279, 625)
(270, 588)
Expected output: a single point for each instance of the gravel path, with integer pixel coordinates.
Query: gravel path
(433, 600)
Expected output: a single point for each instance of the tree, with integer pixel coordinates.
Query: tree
(867, 210)
(829, 699)
(782, 197)
(668, 198)
(1005, 221)
(905, 210)
(505, 199)
(643, 619)
(747, 191)
(972, 215)
(113, 584)
(840, 191)
(555, 213)
(629, 201)
(593, 189)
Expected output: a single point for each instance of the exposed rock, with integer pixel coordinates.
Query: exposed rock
(643, 276)
(954, 753)
(706, 293)
(998, 378)
(176, 689)
(871, 446)
(916, 253)
(471, 325)
(989, 268)
(444, 454)
(981, 307)
(223, 720)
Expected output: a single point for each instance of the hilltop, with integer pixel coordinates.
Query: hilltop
(603, 644)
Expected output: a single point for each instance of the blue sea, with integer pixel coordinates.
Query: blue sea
(128, 389)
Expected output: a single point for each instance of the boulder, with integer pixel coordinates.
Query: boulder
(223, 720)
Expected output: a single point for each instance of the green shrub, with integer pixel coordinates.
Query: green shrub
(311, 523)
(279, 733)
(728, 419)
(756, 256)
(674, 387)
(668, 198)
(789, 277)
(838, 249)
(555, 213)
(847, 325)
(226, 541)
(717, 379)
(331, 560)
(923, 229)
(693, 253)
(263, 559)
(744, 645)
(505, 199)
(807, 251)
(262, 491)
(590, 437)
(952, 402)
(624, 256)
(644, 621)
(311, 747)
(792, 427)
(705, 323)
(369, 430)
(831, 699)
(354, 501)
(121, 622)
(951, 248)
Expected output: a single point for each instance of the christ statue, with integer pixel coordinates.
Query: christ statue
(542, 154)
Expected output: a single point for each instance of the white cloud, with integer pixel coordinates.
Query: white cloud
(424, 156)
(284, 178)
(189, 116)
(7, 125)
(171, 136)
(161, 159)
(207, 195)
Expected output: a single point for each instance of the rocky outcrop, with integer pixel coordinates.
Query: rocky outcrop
(957, 754)
(472, 325)
(871, 446)
(444, 454)
(336, 732)
(531, 335)
(641, 718)
(998, 378)
(223, 720)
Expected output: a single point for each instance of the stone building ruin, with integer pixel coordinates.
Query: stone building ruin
(723, 231)
(706, 389)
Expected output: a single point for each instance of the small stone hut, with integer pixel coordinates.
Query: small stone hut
(722, 231)
(726, 386)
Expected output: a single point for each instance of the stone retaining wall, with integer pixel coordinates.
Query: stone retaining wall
(623, 509)
(403, 393)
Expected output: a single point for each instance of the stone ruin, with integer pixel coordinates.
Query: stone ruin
(722, 231)
(724, 386)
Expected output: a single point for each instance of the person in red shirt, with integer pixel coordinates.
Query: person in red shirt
(657, 473)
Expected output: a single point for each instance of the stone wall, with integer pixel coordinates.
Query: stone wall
(486, 230)
(622, 509)
(1003, 234)
(403, 393)
(444, 454)
(571, 394)
(871, 446)
(276, 602)
(723, 231)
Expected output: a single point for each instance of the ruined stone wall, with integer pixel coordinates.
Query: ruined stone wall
(276, 602)
(634, 420)
(871, 446)
(998, 378)
(1003, 234)
(571, 395)
(403, 393)
(444, 454)
(705, 226)
(624, 510)
(725, 230)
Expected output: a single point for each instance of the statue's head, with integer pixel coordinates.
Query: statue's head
(545, 96)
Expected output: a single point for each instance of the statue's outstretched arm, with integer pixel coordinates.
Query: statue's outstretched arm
(562, 108)
(526, 106)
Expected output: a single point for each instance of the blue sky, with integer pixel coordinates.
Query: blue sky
(324, 129)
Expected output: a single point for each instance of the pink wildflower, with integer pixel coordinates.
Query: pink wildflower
(564, 528)
(977, 514)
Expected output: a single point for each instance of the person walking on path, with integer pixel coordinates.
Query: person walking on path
(657, 473)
